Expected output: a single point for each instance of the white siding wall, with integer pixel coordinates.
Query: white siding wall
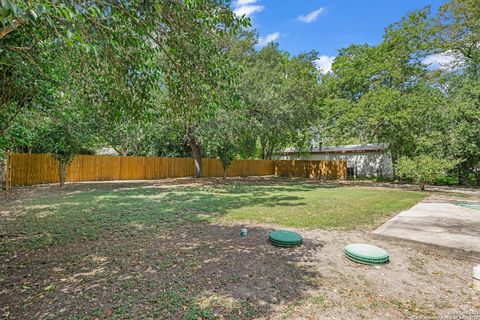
(365, 164)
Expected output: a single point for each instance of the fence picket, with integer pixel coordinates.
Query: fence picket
(30, 169)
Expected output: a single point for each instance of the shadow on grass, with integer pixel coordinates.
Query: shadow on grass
(71, 216)
(192, 271)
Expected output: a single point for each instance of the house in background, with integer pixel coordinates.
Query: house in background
(366, 160)
(108, 151)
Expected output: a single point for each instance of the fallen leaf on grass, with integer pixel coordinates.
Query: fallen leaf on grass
(50, 287)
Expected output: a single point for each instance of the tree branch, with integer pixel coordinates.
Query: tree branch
(14, 25)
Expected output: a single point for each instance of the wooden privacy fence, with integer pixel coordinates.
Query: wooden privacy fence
(318, 169)
(31, 169)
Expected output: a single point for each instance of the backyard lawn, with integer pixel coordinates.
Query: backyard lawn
(171, 250)
(67, 217)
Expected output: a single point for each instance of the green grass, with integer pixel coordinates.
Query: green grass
(327, 208)
(62, 218)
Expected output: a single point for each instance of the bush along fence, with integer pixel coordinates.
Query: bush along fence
(31, 169)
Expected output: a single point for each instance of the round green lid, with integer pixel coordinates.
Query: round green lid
(284, 238)
(470, 205)
(366, 253)
(285, 245)
(284, 241)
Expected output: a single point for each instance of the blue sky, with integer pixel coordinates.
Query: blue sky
(325, 25)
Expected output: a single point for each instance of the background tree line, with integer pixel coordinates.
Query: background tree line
(185, 78)
(389, 93)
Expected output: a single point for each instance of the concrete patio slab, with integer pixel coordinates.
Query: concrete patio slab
(437, 225)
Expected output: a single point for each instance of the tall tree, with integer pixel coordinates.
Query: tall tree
(220, 137)
(198, 71)
(127, 46)
(381, 93)
(457, 34)
(280, 97)
(387, 93)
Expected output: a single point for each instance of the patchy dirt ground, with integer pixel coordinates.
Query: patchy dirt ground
(169, 273)
(206, 271)
(413, 284)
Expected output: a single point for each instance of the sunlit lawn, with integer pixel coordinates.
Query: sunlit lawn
(68, 217)
(326, 208)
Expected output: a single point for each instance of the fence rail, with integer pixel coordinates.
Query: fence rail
(31, 169)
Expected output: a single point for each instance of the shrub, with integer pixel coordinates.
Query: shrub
(424, 169)
(444, 180)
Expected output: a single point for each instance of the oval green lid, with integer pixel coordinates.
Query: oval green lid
(285, 245)
(366, 253)
(470, 205)
(275, 239)
(284, 238)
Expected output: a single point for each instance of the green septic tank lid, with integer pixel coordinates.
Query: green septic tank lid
(470, 205)
(283, 238)
(366, 253)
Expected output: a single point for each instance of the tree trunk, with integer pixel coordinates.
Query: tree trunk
(250, 149)
(3, 173)
(197, 156)
(394, 158)
(62, 171)
(11, 27)
(269, 153)
(122, 151)
(263, 146)
(422, 186)
(225, 169)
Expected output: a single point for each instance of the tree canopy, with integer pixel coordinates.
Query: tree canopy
(389, 93)
(186, 78)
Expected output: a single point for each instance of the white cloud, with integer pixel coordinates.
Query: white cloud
(445, 60)
(240, 3)
(263, 41)
(324, 63)
(312, 16)
(247, 7)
